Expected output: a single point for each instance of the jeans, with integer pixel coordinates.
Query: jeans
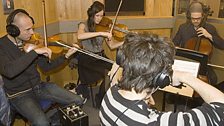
(5, 119)
(28, 105)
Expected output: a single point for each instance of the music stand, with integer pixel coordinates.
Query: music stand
(194, 55)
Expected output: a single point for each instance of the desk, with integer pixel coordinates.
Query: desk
(186, 66)
(184, 90)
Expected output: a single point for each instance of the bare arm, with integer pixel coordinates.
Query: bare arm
(206, 91)
(113, 44)
(82, 34)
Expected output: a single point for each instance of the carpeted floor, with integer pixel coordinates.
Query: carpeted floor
(93, 112)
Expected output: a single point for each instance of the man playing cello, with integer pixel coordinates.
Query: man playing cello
(194, 28)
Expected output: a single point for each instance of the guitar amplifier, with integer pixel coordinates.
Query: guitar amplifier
(73, 115)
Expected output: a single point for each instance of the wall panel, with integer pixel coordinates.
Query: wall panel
(75, 10)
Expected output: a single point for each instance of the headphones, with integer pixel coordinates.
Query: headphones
(12, 29)
(164, 78)
(161, 80)
(188, 13)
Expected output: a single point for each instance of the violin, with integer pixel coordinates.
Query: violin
(36, 41)
(119, 30)
(201, 44)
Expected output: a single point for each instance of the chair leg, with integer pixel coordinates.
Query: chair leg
(92, 96)
(164, 101)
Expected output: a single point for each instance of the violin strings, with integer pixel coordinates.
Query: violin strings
(87, 53)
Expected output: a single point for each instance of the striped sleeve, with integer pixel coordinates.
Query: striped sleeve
(206, 115)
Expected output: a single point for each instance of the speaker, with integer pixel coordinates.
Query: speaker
(12, 29)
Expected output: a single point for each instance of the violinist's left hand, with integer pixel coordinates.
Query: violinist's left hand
(44, 51)
(28, 47)
(203, 32)
(107, 35)
(72, 51)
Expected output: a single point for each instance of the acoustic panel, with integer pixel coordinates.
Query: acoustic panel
(128, 7)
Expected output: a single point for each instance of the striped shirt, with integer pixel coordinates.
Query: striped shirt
(116, 110)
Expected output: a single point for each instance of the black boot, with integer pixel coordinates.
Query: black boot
(99, 96)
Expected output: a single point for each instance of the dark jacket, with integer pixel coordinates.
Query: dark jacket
(186, 31)
(19, 69)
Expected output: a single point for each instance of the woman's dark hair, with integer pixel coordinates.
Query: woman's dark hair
(143, 57)
(94, 8)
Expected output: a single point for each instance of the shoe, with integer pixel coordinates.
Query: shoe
(83, 90)
(84, 99)
(70, 86)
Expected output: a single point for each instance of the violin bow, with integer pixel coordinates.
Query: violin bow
(112, 27)
(86, 52)
(45, 27)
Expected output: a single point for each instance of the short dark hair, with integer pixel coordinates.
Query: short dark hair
(195, 6)
(142, 57)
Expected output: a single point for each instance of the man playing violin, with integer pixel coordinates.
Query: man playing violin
(90, 69)
(196, 26)
(22, 83)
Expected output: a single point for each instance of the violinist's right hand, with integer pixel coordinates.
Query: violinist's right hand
(44, 51)
(108, 35)
(203, 32)
(72, 50)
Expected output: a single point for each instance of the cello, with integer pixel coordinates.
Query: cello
(201, 44)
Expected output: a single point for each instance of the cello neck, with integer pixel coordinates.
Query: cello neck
(198, 43)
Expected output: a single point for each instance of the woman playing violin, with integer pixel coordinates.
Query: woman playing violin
(196, 26)
(90, 69)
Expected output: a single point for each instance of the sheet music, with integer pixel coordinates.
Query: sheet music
(186, 66)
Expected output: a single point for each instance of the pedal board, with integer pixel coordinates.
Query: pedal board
(73, 115)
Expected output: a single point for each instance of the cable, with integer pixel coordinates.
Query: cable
(125, 111)
(145, 98)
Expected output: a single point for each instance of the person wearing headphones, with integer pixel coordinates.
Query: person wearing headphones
(147, 61)
(22, 83)
(197, 26)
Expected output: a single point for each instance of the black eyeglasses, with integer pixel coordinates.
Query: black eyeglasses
(199, 18)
